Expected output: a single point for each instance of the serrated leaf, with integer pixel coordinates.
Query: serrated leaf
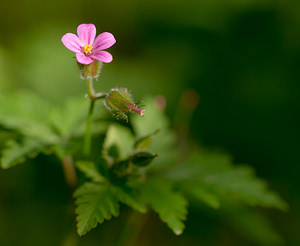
(16, 153)
(90, 170)
(95, 203)
(215, 173)
(120, 138)
(204, 194)
(170, 205)
(241, 182)
(27, 114)
(129, 197)
(68, 118)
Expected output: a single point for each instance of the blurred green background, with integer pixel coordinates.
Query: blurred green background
(241, 56)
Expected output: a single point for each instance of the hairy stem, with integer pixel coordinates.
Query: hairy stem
(89, 120)
(91, 90)
(88, 132)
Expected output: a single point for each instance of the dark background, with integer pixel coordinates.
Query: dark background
(242, 58)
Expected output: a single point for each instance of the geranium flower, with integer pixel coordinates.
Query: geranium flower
(86, 47)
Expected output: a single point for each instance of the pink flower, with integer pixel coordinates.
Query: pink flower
(86, 47)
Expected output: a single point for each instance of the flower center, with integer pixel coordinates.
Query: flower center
(88, 49)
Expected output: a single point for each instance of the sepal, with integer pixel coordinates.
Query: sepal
(90, 70)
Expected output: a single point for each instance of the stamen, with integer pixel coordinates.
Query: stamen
(88, 49)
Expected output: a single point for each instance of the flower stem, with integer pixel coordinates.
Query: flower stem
(89, 121)
(88, 131)
(91, 90)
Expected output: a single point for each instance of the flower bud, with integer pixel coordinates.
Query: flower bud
(90, 70)
(142, 158)
(119, 102)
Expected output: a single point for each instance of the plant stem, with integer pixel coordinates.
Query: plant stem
(89, 121)
(91, 90)
(69, 171)
(88, 131)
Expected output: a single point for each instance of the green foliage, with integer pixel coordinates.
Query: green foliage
(69, 119)
(154, 127)
(27, 114)
(142, 158)
(130, 197)
(142, 170)
(118, 142)
(170, 205)
(41, 127)
(99, 201)
(203, 193)
(209, 176)
(15, 152)
(95, 203)
(144, 142)
(90, 170)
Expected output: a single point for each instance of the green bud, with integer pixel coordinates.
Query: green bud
(142, 158)
(120, 102)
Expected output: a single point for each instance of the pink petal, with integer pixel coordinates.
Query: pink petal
(103, 56)
(86, 33)
(81, 58)
(72, 42)
(104, 41)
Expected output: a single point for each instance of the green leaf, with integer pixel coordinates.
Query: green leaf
(16, 153)
(145, 142)
(42, 125)
(27, 114)
(129, 197)
(70, 119)
(67, 147)
(214, 174)
(204, 194)
(99, 201)
(95, 203)
(90, 170)
(120, 140)
(170, 205)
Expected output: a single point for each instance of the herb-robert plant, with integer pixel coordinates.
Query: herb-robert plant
(90, 53)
